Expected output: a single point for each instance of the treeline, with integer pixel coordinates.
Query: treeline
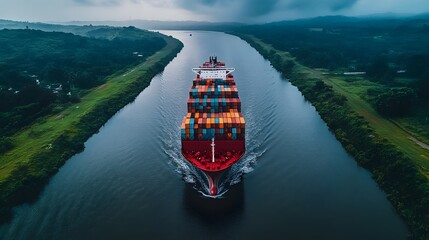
(404, 185)
(398, 99)
(386, 49)
(346, 43)
(40, 69)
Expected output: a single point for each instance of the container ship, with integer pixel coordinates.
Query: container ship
(213, 131)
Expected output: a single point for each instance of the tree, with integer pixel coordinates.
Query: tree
(5, 144)
(396, 101)
(423, 87)
(380, 71)
(35, 94)
(418, 66)
(56, 75)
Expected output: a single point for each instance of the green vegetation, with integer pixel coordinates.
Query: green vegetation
(395, 101)
(36, 152)
(43, 70)
(397, 163)
(392, 52)
(352, 44)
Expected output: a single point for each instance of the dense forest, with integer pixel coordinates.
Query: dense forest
(388, 50)
(41, 71)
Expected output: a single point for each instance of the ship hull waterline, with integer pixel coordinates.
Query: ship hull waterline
(213, 177)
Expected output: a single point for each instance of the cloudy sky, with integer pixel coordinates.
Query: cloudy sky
(199, 10)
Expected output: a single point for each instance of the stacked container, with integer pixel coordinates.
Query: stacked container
(214, 111)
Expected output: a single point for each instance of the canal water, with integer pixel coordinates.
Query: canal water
(295, 182)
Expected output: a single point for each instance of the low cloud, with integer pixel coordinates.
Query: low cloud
(247, 9)
(98, 2)
(229, 8)
(333, 5)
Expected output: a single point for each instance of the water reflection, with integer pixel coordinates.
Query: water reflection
(211, 210)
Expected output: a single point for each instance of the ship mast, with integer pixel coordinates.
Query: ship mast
(213, 150)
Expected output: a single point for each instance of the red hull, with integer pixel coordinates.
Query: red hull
(198, 152)
(213, 130)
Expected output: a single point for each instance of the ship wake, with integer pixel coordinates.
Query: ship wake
(255, 149)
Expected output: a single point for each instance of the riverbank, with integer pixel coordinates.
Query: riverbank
(41, 149)
(393, 168)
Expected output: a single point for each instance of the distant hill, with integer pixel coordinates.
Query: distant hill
(164, 25)
(75, 29)
(376, 19)
(86, 30)
(82, 27)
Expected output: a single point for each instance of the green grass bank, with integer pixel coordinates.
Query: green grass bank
(42, 148)
(397, 164)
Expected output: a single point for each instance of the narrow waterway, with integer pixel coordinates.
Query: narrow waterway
(295, 182)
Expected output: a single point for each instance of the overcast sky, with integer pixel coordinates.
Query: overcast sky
(199, 10)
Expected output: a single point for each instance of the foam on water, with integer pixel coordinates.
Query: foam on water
(254, 141)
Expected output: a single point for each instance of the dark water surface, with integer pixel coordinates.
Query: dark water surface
(131, 182)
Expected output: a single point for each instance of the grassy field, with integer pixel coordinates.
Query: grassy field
(355, 90)
(41, 135)
(396, 133)
(417, 124)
